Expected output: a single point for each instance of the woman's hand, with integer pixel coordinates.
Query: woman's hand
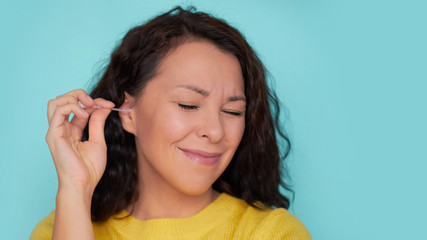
(79, 165)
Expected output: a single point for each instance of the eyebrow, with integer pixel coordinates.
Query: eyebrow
(195, 89)
(237, 98)
(206, 93)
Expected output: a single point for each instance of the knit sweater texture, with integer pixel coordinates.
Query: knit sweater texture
(226, 218)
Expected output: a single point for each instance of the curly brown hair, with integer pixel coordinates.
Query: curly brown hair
(255, 173)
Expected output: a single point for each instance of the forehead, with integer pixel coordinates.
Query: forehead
(203, 64)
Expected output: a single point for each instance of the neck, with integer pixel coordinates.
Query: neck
(163, 202)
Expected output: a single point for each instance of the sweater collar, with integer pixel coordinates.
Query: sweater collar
(220, 210)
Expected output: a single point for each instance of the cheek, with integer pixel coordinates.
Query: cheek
(235, 132)
(173, 124)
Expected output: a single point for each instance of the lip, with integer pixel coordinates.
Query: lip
(201, 157)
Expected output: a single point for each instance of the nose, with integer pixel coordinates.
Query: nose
(211, 127)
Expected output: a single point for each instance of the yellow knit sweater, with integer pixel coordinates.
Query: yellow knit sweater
(226, 218)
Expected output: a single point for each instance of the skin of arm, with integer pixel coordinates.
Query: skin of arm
(79, 165)
(72, 218)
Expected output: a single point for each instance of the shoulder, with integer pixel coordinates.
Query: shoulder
(44, 228)
(278, 224)
(268, 223)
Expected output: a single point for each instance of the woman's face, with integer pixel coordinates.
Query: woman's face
(189, 119)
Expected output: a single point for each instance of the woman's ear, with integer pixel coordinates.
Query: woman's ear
(128, 118)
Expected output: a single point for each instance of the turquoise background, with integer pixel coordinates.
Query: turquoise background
(352, 75)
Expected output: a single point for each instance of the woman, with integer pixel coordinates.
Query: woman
(192, 153)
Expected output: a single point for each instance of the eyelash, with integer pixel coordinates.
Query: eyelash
(192, 107)
(188, 107)
(237, 114)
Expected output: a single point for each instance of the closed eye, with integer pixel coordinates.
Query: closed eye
(188, 107)
(233, 113)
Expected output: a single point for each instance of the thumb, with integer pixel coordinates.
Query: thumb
(96, 125)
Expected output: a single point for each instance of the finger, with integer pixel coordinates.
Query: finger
(75, 93)
(71, 97)
(58, 102)
(81, 122)
(96, 125)
(100, 102)
(62, 113)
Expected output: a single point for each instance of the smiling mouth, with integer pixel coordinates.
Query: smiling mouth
(202, 157)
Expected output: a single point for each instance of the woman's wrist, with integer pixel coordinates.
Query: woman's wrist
(73, 216)
(77, 194)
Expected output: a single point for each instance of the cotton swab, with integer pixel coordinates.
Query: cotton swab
(98, 107)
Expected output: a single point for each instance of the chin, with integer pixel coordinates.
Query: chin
(195, 189)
